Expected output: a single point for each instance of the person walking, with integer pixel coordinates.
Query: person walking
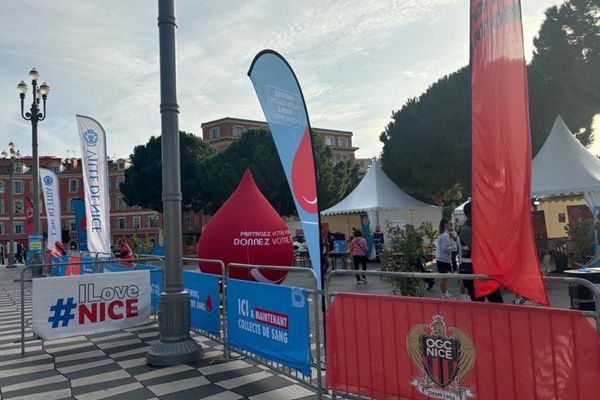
(444, 246)
(466, 264)
(359, 250)
(2, 254)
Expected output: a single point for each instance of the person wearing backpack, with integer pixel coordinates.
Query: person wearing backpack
(359, 251)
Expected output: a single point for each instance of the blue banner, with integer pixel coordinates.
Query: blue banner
(204, 290)
(270, 321)
(115, 267)
(59, 270)
(156, 282)
(34, 247)
(78, 206)
(89, 267)
(283, 104)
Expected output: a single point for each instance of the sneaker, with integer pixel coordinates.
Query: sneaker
(364, 280)
(360, 282)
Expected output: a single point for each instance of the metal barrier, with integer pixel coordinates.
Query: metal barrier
(277, 367)
(29, 267)
(329, 294)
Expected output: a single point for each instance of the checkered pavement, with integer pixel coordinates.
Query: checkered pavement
(113, 365)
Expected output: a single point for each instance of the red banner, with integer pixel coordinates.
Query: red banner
(503, 242)
(389, 347)
(28, 216)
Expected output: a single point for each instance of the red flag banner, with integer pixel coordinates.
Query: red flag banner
(391, 347)
(28, 216)
(503, 242)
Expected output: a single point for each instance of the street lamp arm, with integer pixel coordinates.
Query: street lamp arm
(41, 116)
(26, 115)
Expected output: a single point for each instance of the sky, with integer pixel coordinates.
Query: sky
(356, 60)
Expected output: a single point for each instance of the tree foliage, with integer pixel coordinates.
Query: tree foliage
(143, 180)
(427, 146)
(207, 180)
(255, 150)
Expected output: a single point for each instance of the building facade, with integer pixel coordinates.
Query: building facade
(125, 221)
(222, 132)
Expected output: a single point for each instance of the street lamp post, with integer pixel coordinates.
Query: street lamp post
(176, 346)
(14, 156)
(39, 93)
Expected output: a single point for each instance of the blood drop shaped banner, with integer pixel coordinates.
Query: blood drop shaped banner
(247, 230)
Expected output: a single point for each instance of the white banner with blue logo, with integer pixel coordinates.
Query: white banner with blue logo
(270, 321)
(52, 203)
(92, 139)
(86, 304)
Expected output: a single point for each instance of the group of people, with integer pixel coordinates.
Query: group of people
(20, 254)
(448, 246)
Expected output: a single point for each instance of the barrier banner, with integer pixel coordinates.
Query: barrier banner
(204, 290)
(389, 347)
(89, 267)
(92, 139)
(73, 269)
(87, 304)
(156, 282)
(503, 242)
(52, 204)
(110, 267)
(59, 270)
(34, 248)
(270, 321)
(283, 104)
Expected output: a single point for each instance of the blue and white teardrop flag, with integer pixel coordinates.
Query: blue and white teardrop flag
(283, 104)
(95, 182)
(52, 204)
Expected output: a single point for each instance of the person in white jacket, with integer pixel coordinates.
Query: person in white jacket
(446, 243)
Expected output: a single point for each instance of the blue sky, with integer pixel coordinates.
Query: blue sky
(356, 60)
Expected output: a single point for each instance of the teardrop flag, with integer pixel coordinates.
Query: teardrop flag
(283, 104)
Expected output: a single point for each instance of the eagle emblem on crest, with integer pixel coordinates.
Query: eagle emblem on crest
(444, 357)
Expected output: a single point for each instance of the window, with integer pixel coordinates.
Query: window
(137, 222)
(19, 228)
(188, 223)
(55, 169)
(72, 226)
(1, 186)
(70, 205)
(121, 203)
(1, 206)
(562, 218)
(343, 142)
(344, 157)
(121, 223)
(215, 132)
(119, 180)
(337, 157)
(73, 185)
(18, 207)
(120, 165)
(328, 140)
(152, 221)
(18, 187)
(237, 131)
(1, 228)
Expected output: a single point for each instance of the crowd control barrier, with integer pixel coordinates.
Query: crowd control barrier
(270, 324)
(59, 266)
(390, 347)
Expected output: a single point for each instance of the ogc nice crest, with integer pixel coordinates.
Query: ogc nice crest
(444, 356)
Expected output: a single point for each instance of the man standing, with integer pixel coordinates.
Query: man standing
(466, 266)
(1, 254)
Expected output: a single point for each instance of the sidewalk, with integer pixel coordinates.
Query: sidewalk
(113, 365)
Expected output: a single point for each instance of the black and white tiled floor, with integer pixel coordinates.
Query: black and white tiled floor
(112, 365)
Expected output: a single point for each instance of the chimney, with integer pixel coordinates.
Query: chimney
(74, 162)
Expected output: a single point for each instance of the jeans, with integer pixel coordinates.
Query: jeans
(362, 260)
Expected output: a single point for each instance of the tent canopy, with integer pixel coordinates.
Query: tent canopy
(563, 166)
(376, 192)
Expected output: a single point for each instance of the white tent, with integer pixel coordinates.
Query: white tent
(563, 166)
(384, 202)
(458, 214)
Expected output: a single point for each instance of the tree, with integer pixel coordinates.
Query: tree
(427, 146)
(143, 180)
(255, 150)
